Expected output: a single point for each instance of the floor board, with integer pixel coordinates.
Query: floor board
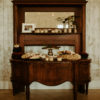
(50, 95)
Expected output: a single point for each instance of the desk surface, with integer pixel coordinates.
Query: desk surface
(43, 61)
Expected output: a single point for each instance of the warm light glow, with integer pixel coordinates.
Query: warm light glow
(60, 26)
(66, 26)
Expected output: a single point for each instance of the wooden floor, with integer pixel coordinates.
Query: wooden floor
(50, 95)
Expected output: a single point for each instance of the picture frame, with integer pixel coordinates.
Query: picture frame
(28, 28)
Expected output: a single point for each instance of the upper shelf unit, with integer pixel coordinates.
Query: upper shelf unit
(78, 7)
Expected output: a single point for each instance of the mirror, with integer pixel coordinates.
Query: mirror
(48, 19)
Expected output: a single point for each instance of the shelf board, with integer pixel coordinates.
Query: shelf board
(50, 33)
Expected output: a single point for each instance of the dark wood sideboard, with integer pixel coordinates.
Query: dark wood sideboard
(24, 72)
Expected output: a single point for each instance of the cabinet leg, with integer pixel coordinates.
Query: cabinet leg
(87, 84)
(81, 88)
(75, 92)
(27, 92)
(17, 88)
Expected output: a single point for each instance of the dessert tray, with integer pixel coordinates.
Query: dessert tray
(30, 56)
(62, 55)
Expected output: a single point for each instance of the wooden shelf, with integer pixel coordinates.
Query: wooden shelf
(55, 61)
(50, 33)
(48, 2)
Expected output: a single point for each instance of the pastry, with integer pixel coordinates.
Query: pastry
(35, 56)
(67, 52)
(47, 58)
(73, 57)
(59, 58)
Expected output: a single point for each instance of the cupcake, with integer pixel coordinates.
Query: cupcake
(59, 58)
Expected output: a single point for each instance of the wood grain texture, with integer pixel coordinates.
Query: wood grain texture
(70, 39)
(49, 73)
(49, 1)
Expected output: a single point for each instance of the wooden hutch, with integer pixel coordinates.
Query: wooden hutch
(26, 72)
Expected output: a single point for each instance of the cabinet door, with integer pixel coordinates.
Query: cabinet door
(19, 72)
(84, 71)
(54, 73)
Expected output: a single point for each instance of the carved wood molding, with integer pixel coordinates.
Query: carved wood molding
(49, 2)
